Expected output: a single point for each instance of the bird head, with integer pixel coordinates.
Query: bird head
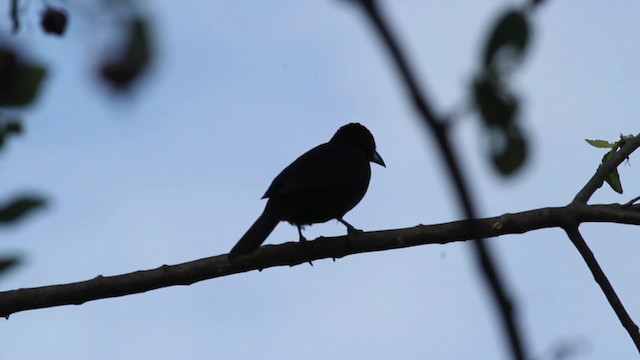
(360, 137)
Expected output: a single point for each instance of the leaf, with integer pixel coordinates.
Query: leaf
(22, 87)
(54, 20)
(19, 207)
(10, 127)
(603, 144)
(497, 106)
(133, 59)
(613, 178)
(507, 42)
(513, 154)
(140, 45)
(8, 262)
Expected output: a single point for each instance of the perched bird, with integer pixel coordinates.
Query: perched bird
(322, 184)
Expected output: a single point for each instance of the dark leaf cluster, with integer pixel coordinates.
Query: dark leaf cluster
(497, 105)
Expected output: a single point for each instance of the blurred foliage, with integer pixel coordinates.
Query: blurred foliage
(10, 213)
(18, 207)
(9, 126)
(497, 105)
(132, 60)
(8, 262)
(54, 21)
(613, 179)
(21, 79)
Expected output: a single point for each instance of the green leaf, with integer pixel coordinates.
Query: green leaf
(613, 178)
(8, 262)
(23, 86)
(19, 207)
(497, 107)
(603, 144)
(513, 154)
(508, 40)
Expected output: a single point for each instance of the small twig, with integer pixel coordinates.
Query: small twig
(605, 285)
(439, 130)
(610, 165)
(631, 202)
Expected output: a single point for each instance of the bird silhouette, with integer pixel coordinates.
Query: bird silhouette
(322, 184)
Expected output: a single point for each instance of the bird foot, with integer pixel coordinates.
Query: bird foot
(303, 240)
(353, 231)
(301, 237)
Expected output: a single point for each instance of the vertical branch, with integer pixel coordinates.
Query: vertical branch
(15, 18)
(605, 285)
(597, 180)
(439, 131)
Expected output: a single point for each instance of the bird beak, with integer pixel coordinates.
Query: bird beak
(378, 159)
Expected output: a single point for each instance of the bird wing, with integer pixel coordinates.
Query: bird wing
(325, 166)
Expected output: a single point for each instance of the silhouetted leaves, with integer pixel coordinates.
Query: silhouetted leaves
(9, 127)
(133, 58)
(507, 42)
(8, 262)
(19, 80)
(509, 151)
(54, 21)
(497, 105)
(19, 207)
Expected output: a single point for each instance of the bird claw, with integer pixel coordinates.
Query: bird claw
(353, 231)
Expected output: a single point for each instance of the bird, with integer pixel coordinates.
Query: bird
(322, 184)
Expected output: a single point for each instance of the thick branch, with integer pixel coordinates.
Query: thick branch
(294, 253)
(605, 285)
(610, 165)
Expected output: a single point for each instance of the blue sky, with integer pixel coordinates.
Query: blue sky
(240, 89)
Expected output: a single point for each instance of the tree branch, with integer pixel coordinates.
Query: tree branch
(438, 129)
(15, 16)
(583, 196)
(605, 285)
(610, 165)
(295, 253)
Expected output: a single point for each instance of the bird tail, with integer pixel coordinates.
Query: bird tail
(256, 235)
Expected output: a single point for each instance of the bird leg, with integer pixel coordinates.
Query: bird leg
(350, 229)
(301, 237)
(303, 240)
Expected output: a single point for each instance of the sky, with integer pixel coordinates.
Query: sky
(174, 172)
